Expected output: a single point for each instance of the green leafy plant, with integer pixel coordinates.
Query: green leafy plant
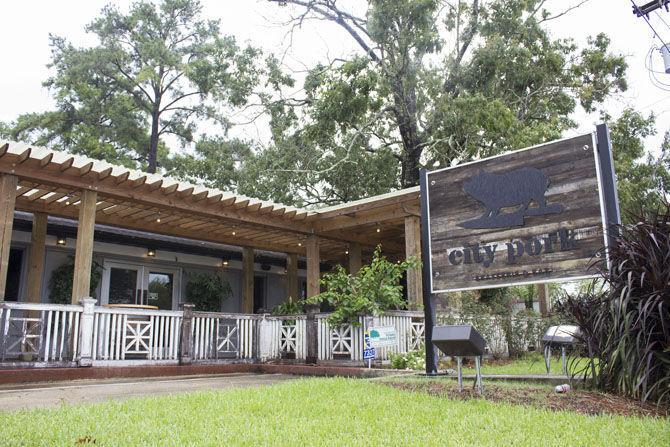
(60, 282)
(506, 333)
(207, 291)
(289, 307)
(414, 360)
(375, 288)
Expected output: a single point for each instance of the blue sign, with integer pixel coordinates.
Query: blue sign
(368, 352)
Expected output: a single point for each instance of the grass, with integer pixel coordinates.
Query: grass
(530, 364)
(319, 412)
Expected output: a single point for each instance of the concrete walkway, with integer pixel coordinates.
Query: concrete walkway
(15, 397)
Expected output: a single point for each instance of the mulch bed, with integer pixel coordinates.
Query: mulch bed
(580, 401)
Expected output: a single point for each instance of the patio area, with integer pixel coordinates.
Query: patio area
(87, 332)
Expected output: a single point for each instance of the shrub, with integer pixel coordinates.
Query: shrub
(60, 282)
(414, 360)
(289, 307)
(374, 289)
(207, 291)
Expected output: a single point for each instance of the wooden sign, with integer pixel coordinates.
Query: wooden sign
(529, 216)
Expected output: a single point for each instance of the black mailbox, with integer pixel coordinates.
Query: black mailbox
(461, 341)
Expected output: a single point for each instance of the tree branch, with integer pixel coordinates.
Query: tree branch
(329, 11)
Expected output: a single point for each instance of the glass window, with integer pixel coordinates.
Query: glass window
(122, 285)
(160, 290)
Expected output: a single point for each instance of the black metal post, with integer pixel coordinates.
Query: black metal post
(428, 300)
(608, 180)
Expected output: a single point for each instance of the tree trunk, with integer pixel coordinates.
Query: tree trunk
(404, 98)
(410, 168)
(153, 142)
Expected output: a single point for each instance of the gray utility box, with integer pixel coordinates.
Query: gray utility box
(562, 335)
(459, 340)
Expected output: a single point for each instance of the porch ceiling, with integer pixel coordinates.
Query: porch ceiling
(52, 182)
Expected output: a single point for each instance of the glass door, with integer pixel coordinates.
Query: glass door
(125, 285)
(137, 284)
(159, 288)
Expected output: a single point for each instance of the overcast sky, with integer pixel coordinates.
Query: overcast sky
(26, 24)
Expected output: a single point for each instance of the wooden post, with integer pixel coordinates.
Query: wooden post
(292, 289)
(312, 334)
(86, 332)
(186, 334)
(313, 271)
(543, 298)
(83, 258)
(36, 257)
(413, 248)
(248, 280)
(354, 258)
(8, 185)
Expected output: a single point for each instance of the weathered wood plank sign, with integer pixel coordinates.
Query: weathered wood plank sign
(529, 216)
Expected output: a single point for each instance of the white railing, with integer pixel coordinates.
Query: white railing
(51, 334)
(346, 342)
(223, 336)
(39, 332)
(135, 334)
(283, 337)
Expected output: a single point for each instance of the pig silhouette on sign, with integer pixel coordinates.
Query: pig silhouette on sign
(520, 187)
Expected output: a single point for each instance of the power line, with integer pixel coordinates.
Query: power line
(662, 20)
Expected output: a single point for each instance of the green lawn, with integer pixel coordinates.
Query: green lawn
(320, 412)
(530, 364)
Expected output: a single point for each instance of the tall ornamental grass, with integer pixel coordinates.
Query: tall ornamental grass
(626, 326)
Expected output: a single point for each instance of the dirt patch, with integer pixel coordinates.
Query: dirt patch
(580, 401)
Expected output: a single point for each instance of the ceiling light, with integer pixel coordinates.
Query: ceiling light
(151, 252)
(61, 240)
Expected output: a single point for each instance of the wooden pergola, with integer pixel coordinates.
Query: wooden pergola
(46, 182)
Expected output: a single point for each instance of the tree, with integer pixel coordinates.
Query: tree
(643, 180)
(438, 82)
(156, 70)
(375, 288)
